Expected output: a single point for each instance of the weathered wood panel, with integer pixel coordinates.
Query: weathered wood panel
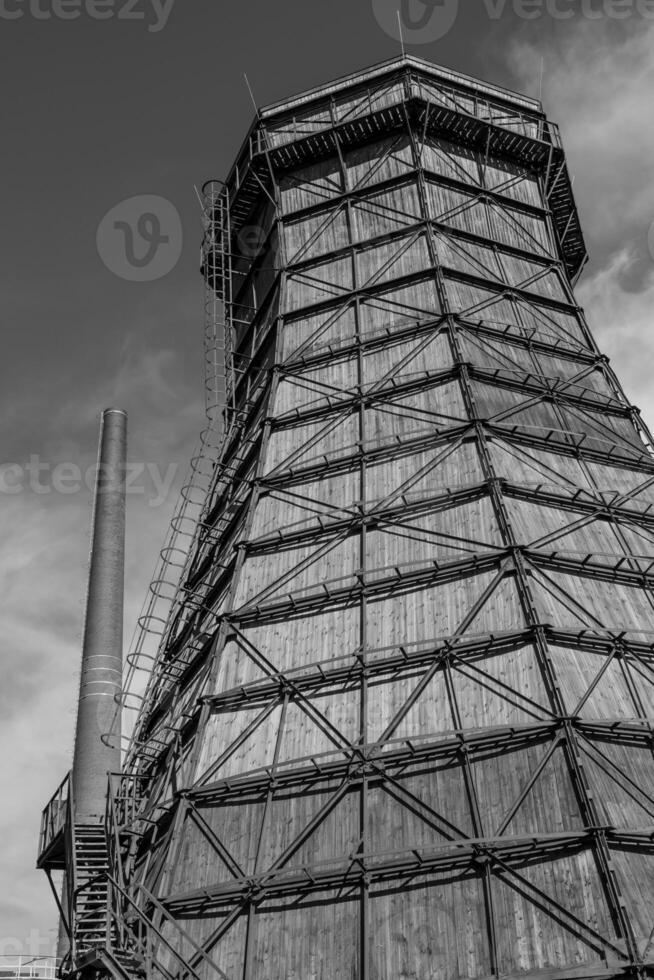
(379, 161)
(304, 444)
(501, 223)
(594, 603)
(312, 236)
(541, 941)
(386, 212)
(391, 309)
(408, 695)
(312, 940)
(391, 260)
(318, 331)
(371, 101)
(311, 185)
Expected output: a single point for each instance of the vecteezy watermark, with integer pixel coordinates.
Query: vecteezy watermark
(154, 12)
(250, 241)
(141, 238)
(423, 21)
(40, 477)
(35, 946)
(426, 21)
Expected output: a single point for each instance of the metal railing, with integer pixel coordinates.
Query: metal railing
(137, 933)
(53, 818)
(19, 967)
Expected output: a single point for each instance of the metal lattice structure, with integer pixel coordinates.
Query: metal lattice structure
(401, 724)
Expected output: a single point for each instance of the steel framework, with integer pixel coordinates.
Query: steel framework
(400, 724)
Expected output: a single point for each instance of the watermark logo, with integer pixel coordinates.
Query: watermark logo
(154, 13)
(141, 238)
(250, 241)
(426, 21)
(423, 21)
(29, 953)
(40, 477)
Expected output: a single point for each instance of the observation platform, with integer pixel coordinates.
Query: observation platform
(400, 93)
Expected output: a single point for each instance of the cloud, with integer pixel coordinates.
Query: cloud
(43, 573)
(598, 81)
(622, 323)
(599, 77)
(42, 565)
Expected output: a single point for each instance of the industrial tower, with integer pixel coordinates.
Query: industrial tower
(400, 720)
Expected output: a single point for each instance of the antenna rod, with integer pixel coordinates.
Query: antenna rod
(254, 101)
(399, 24)
(96, 752)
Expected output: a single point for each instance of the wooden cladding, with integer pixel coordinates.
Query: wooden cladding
(423, 734)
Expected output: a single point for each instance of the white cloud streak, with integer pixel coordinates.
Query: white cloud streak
(43, 569)
(599, 77)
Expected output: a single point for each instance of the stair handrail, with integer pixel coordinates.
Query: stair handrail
(79, 918)
(70, 873)
(112, 824)
(169, 918)
(150, 926)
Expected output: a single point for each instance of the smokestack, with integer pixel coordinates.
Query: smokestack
(102, 654)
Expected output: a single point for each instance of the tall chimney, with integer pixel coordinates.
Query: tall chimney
(95, 752)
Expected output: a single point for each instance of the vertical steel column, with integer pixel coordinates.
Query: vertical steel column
(96, 753)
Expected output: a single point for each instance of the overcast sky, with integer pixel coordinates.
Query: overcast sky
(96, 111)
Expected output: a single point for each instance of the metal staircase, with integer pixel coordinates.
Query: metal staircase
(91, 864)
(98, 950)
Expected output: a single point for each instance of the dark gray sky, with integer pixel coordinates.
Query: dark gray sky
(97, 111)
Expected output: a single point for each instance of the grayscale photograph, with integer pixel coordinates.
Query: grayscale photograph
(327, 490)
